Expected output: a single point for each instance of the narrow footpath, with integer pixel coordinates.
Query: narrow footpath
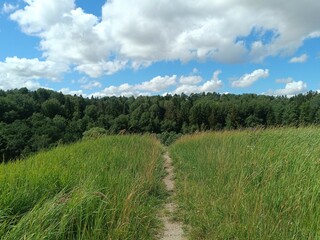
(172, 229)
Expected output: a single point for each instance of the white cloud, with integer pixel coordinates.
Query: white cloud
(314, 34)
(7, 82)
(95, 70)
(160, 84)
(21, 72)
(69, 35)
(195, 70)
(301, 59)
(8, 8)
(137, 34)
(122, 90)
(72, 92)
(76, 39)
(290, 89)
(169, 31)
(91, 85)
(32, 68)
(190, 80)
(285, 80)
(155, 85)
(88, 84)
(133, 34)
(82, 80)
(213, 84)
(208, 30)
(248, 79)
(40, 15)
(189, 85)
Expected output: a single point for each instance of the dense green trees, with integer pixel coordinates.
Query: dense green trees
(34, 120)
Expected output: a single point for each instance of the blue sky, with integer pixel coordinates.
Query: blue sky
(127, 47)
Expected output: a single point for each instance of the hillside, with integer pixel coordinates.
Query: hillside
(261, 184)
(248, 184)
(108, 188)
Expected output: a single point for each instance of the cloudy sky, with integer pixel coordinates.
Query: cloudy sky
(145, 47)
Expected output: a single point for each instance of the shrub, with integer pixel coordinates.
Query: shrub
(94, 133)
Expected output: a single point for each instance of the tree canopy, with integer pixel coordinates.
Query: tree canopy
(35, 120)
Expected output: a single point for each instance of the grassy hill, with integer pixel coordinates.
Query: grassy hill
(250, 184)
(253, 184)
(109, 188)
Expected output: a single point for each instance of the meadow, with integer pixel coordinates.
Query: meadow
(251, 184)
(109, 188)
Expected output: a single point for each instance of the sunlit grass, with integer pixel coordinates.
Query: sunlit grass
(109, 188)
(262, 184)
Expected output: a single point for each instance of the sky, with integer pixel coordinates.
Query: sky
(142, 47)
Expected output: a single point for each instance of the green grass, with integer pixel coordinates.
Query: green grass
(109, 188)
(262, 184)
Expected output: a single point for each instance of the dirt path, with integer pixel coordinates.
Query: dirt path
(172, 230)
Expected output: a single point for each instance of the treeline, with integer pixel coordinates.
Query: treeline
(34, 120)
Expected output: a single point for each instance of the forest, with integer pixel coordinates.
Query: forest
(34, 120)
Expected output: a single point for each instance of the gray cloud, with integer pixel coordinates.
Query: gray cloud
(301, 59)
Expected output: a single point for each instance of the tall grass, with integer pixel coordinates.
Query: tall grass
(261, 184)
(109, 188)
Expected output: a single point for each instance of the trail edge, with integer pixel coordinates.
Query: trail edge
(172, 229)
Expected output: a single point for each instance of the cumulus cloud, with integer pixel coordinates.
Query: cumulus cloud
(72, 92)
(208, 30)
(190, 80)
(21, 72)
(7, 82)
(161, 84)
(301, 59)
(76, 39)
(68, 34)
(132, 34)
(32, 68)
(39, 15)
(91, 85)
(248, 79)
(290, 89)
(155, 85)
(285, 80)
(188, 85)
(95, 70)
(8, 8)
(143, 32)
(88, 84)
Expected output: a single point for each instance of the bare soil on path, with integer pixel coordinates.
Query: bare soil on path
(172, 229)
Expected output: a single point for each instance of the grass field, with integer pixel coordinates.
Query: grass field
(109, 188)
(262, 184)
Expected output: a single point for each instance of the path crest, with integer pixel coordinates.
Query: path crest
(172, 229)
